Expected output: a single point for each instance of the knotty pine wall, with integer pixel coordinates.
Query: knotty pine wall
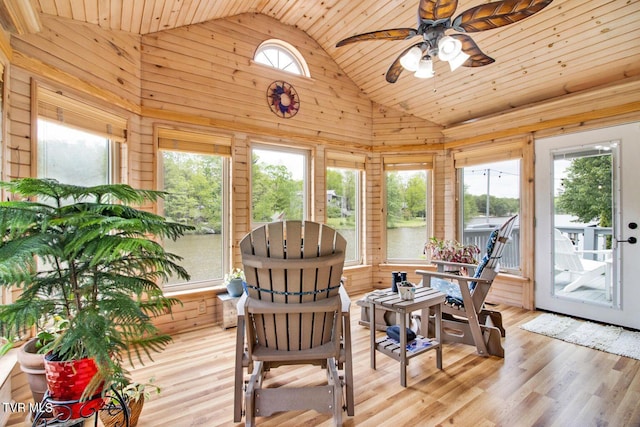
(202, 77)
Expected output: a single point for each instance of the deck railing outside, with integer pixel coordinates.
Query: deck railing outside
(585, 238)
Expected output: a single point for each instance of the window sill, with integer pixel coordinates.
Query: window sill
(7, 363)
(204, 290)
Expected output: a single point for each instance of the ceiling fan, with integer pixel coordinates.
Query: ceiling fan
(434, 18)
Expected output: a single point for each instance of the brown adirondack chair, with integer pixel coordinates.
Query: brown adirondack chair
(295, 311)
(464, 316)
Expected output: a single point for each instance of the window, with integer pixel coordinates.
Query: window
(344, 200)
(77, 143)
(73, 156)
(490, 195)
(279, 184)
(282, 56)
(407, 204)
(194, 172)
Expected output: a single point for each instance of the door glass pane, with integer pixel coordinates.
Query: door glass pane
(194, 183)
(490, 196)
(343, 207)
(582, 224)
(406, 214)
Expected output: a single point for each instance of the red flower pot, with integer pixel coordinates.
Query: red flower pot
(66, 381)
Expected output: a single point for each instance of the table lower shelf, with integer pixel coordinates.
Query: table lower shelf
(392, 348)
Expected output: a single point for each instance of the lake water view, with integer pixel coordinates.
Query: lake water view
(202, 253)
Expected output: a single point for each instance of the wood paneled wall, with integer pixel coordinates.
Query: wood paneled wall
(207, 71)
(203, 77)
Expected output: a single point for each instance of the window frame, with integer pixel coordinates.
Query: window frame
(58, 107)
(357, 163)
(417, 162)
(288, 49)
(114, 151)
(205, 143)
(493, 153)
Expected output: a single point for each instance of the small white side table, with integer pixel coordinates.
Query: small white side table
(229, 310)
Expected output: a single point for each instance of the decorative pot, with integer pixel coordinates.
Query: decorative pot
(234, 287)
(67, 381)
(32, 364)
(112, 416)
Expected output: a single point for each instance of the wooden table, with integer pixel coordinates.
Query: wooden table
(426, 299)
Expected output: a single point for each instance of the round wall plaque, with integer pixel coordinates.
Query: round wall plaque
(283, 99)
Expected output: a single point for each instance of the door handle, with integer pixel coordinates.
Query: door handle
(631, 240)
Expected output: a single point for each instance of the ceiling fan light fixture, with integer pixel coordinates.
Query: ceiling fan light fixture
(411, 59)
(458, 60)
(425, 68)
(448, 48)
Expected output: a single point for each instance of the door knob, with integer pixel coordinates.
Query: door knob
(633, 225)
(631, 240)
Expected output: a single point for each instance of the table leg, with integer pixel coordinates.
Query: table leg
(438, 327)
(403, 349)
(348, 364)
(372, 332)
(239, 371)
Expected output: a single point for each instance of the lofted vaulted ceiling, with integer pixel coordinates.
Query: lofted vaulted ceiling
(570, 46)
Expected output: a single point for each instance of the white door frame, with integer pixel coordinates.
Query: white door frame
(626, 277)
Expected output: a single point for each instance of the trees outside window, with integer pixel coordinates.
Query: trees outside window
(344, 208)
(406, 201)
(586, 189)
(278, 184)
(195, 184)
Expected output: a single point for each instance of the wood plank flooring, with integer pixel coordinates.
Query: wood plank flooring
(541, 382)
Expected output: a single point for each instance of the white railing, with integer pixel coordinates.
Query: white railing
(585, 238)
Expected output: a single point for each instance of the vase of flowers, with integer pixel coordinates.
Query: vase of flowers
(451, 251)
(234, 282)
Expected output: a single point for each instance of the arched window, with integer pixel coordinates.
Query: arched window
(282, 56)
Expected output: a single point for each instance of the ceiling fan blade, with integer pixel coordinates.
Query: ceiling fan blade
(396, 68)
(496, 14)
(433, 10)
(476, 57)
(393, 34)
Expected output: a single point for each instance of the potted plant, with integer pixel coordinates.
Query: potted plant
(450, 251)
(234, 282)
(31, 359)
(134, 395)
(85, 253)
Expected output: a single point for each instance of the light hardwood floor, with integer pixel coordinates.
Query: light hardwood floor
(540, 382)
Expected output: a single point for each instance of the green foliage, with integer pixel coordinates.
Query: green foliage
(194, 190)
(395, 196)
(406, 197)
(83, 253)
(498, 206)
(275, 192)
(470, 206)
(587, 190)
(416, 196)
(342, 182)
(236, 273)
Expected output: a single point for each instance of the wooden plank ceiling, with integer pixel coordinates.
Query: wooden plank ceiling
(571, 45)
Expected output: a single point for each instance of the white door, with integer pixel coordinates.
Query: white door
(589, 267)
